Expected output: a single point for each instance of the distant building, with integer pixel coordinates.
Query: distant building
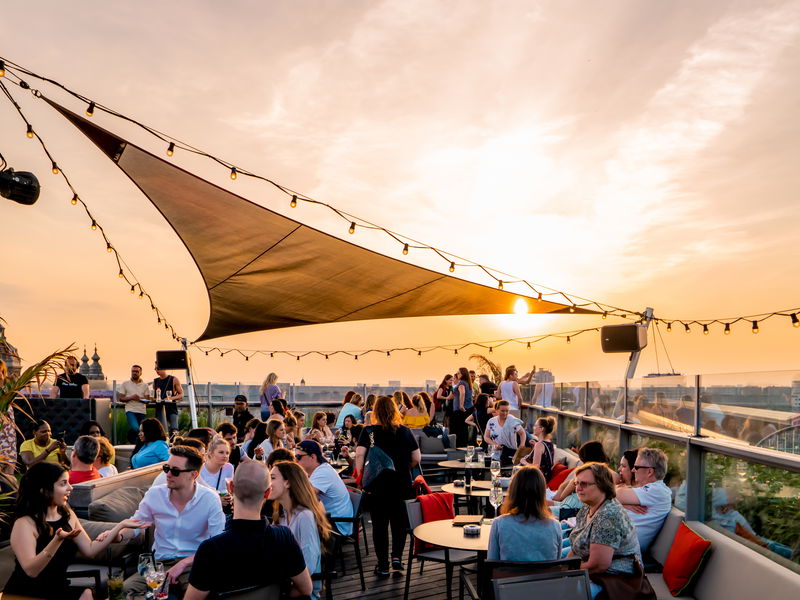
(93, 372)
(394, 383)
(9, 354)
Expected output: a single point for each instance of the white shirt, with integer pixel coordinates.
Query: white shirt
(141, 389)
(657, 497)
(107, 471)
(505, 435)
(178, 534)
(333, 495)
(217, 480)
(507, 393)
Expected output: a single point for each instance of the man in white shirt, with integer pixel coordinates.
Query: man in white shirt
(650, 501)
(330, 488)
(134, 394)
(184, 514)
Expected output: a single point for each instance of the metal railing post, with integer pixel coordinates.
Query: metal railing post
(586, 433)
(114, 412)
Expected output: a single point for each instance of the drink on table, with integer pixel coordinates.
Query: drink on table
(495, 469)
(146, 562)
(115, 584)
(470, 454)
(479, 440)
(496, 497)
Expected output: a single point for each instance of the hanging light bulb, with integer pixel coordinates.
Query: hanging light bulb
(455, 351)
(293, 203)
(298, 357)
(2, 69)
(56, 170)
(29, 132)
(109, 248)
(490, 349)
(206, 352)
(121, 274)
(686, 326)
(388, 353)
(166, 325)
(795, 320)
(74, 200)
(233, 173)
(171, 149)
(152, 307)
(572, 308)
(356, 356)
(158, 320)
(141, 293)
(133, 289)
(352, 228)
(727, 330)
(755, 326)
(271, 355)
(326, 357)
(90, 110)
(569, 340)
(605, 314)
(247, 358)
(94, 225)
(529, 345)
(452, 267)
(499, 284)
(705, 329)
(419, 352)
(405, 249)
(669, 326)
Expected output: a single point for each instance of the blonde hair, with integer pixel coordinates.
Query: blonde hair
(217, 440)
(418, 402)
(302, 493)
(105, 452)
(270, 380)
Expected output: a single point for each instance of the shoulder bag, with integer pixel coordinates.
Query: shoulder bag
(377, 462)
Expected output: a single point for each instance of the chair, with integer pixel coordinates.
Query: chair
(254, 592)
(357, 521)
(492, 570)
(450, 558)
(78, 574)
(564, 585)
(328, 572)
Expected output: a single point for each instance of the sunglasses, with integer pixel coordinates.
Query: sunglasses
(634, 467)
(175, 471)
(299, 455)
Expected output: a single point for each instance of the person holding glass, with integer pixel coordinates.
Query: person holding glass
(167, 392)
(504, 434)
(526, 530)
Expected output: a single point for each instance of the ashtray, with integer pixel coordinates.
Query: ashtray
(472, 530)
(458, 483)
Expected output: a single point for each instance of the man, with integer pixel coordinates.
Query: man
(84, 454)
(134, 394)
(330, 488)
(241, 416)
(70, 383)
(650, 501)
(167, 391)
(504, 434)
(474, 383)
(228, 432)
(486, 386)
(250, 552)
(184, 514)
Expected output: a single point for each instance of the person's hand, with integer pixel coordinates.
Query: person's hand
(53, 445)
(226, 500)
(637, 508)
(175, 572)
(62, 535)
(62, 446)
(258, 452)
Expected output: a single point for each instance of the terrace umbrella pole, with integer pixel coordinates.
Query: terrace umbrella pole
(190, 385)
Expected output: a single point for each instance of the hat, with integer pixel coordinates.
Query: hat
(312, 448)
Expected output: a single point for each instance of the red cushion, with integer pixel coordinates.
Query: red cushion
(685, 560)
(559, 475)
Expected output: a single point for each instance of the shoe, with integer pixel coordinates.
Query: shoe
(397, 565)
(381, 573)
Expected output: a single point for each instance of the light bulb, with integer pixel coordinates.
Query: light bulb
(499, 285)
(669, 326)
(133, 289)
(405, 249)
(569, 340)
(539, 297)
(109, 248)
(326, 357)
(90, 110)
(94, 225)
(419, 352)
(388, 353)
(795, 320)
(56, 170)
(74, 200)
(233, 173)
(293, 203)
(490, 349)
(2, 69)
(705, 329)
(271, 355)
(141, 293)
(605, 314)
(206, 352)
(171, 149)
(29, 132)
(686, 326)
(755, 326)
(247, 358)
(455, 351)
(727, 330)
(452, 267)
(152, 307)
(121, 274)
(529, 345)
(166, 326)
(356, 357)
(158, 319)
(352, 228)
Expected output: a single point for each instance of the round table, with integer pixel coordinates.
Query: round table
(442, 533)
(475, 491)
(460, 464)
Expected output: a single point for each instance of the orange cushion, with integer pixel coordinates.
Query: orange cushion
(558, 477)
(685, 560)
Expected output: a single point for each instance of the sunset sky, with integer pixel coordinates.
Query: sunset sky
(637, 153)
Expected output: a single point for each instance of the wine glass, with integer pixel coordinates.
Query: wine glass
(479, 440)
(470, 453)
(146, 562)
(155, 578)
(495, 469)
(496, 497)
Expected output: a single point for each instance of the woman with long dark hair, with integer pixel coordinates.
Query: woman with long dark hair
(152, 447)
(462, 407)
(543, 452)
(47, 535)
(391, 487)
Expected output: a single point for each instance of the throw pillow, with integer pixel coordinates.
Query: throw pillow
(117, 505)
(685, 560)
(559, 475)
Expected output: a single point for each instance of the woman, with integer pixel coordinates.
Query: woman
(92, 428)
(352, 408)
(440, 397)
(429, 408)
(462, 407)
(105, 458)
(504, 433)
(626, 476)
(255, 428)
(509, 390)
(591, 451)
(42, 448)
(154, 447)
(320, 432)
(269, 391)
(390, 488)
(604, 537)
(480, 418)
(47, 535)
(527, 530)
(275, 436)
(297, 507)
(290, 427)
(369, 407)
(417, 417)
(543, 453)
(345, 433)
(217, 470)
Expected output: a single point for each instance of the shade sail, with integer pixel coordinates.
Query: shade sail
(263, 270)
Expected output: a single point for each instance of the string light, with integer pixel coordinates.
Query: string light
(74, 200)
(795, 320)
(352, 227)
(755, 326)
(233, 172)
(569, 340)
(293, 203)
(405, 249)
(2, 69)
(29, 132)
(109, 248)
(90, 110)
(499, 284)
(727, 330)
(171, 149)
(452, 267)
(56, 170)
(669, 326)
(686, 326)
(94, 225)
(705, 329)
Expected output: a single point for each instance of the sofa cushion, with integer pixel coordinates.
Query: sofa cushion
(116, 506)
(115, 550)
(659, 549)
(685, 560)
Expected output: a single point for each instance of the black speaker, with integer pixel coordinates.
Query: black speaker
(171, 360)
(628, 337)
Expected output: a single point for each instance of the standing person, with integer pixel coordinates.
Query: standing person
(510, 392)
(462, 407)
(480, 418)
(154, 447)
(241, 416)
(84, 455)
(184, 514)
(326, 481)
(543, 453)
(47, 535)
(247, 545)
(70, 383)
(42, 448)
(296, 506)
(269, 391)
(134, 394)
(167, 391)
(440, 397)
(474, 384)
(504, 434)
(390, 489)
(487, 387)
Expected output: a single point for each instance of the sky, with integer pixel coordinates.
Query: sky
(635, 153)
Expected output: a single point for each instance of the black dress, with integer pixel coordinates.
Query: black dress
(52, 582)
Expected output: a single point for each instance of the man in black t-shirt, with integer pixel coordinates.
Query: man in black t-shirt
(250, 553)
(487, 387)
(241, 416)
(70, 383)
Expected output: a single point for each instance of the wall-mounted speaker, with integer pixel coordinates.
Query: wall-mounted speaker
(628, 337)
(172, 360)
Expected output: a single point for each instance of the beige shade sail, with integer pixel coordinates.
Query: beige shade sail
(264, 271)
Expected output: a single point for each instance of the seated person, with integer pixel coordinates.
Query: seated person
(152, 446)
(651, 500)
(278, 455)
(326, 481)
(725, 514)
(591, 451)
(229, 432)
(319, 431)
(92, 428)
(417, 417)
(626, 475)
(42, 447)
(161, 478)
(241, 552)
(105, 458)
(527, 530)
(84, 455)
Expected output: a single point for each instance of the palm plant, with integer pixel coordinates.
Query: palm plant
(486, 364)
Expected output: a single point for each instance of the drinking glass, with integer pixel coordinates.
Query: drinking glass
(146, 562)
(495, 469)
(115, 583)
(155, 578)
(496, 498)
(470, 453)
(479, 440)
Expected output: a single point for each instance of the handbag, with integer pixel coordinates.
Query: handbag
(617, 586)
(377, 462)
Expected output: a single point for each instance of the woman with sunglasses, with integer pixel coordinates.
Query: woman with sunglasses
(152, 445)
